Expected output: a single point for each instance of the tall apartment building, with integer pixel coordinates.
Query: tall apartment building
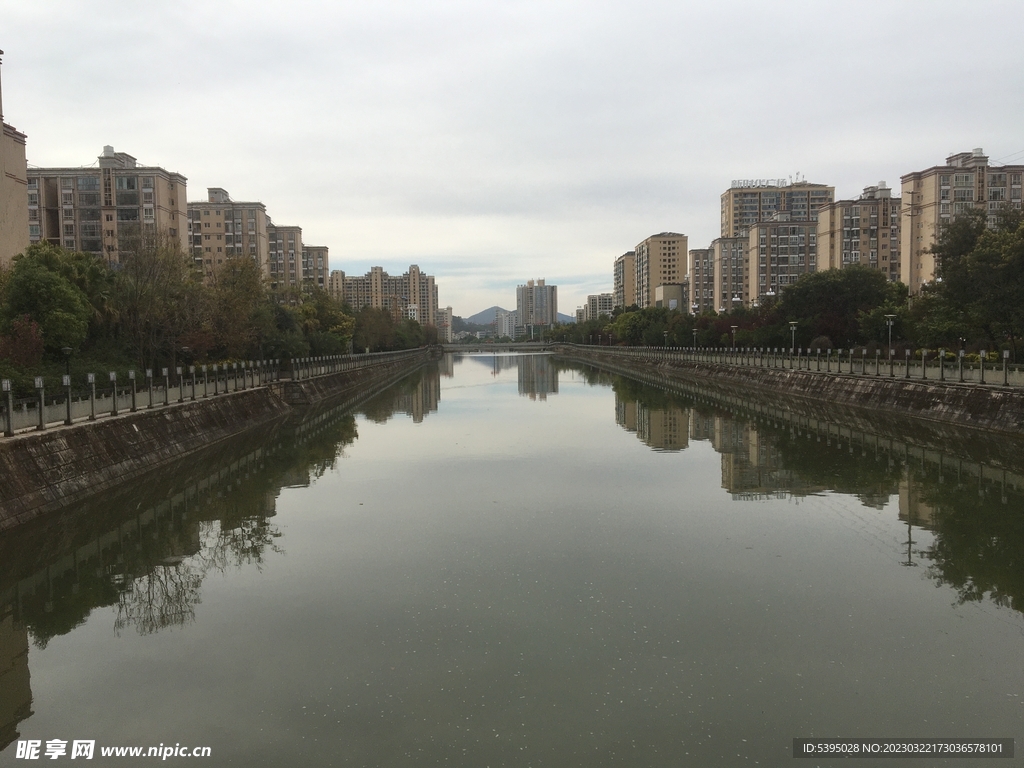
(396, 294)
(702, 281)
(284, 256)
(749, 201)
(779, 250)
(599, 304)
(865, 231)
(103, 210)
(730, 263)
(624, 280)
(658, 260)
(933, 196)
(221, 228)
(14, 226)
(314, 266)
(537, 303)
(445, 334)
(506, 323)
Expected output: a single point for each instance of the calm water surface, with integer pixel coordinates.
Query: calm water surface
(509, 561)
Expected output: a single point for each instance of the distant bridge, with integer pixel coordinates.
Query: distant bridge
(497, 348)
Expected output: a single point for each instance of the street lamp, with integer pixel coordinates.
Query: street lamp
(734, 327)
(792, 335)
(889, 320)
(666, 337)
(694, 338)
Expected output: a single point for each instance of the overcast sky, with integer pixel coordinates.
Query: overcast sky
(492, 142)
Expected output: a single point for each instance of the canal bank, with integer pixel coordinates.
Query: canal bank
(984, 408)
(48, 470)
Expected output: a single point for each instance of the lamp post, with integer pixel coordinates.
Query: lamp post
(695, 338)
(67, 384)
(792, 336)
(889, 320)
(734, 327)
(665, 333)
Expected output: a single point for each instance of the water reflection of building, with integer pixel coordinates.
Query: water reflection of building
(446, 366)
(912, 509)
(664, 429)
(423, 398)
(15, 688)
(538, 376)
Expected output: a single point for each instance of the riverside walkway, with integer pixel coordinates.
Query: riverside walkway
(933, 366)
(110, 396)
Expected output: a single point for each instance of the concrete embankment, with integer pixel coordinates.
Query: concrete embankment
(46, 471)
(976, 407)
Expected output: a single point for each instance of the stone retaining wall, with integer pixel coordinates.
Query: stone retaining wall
(980, 407)
(45, 471)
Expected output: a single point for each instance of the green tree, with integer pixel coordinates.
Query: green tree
(51, 300)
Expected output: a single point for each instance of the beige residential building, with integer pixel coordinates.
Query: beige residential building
(103, 209)
(445, 335)
(865, 231)
(537, 303)
(284, 248)
(779, 250)
(624, 280)
(932, 197)
(221, 228)
(315, 266)
(380, 290)
(702, 281)
(658, 260)
(598, 304)
(731, 278)
(749, 201)
(14, 226)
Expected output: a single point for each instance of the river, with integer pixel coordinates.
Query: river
(520, 561)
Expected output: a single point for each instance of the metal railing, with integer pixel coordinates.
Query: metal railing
(932, 366)
(164, 387)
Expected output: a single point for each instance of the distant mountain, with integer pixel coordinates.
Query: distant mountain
(486, 317)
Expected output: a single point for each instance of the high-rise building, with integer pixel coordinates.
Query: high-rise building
(103, 210)
(599, 304)
(749, 201)
(380, 290)
(702, 281)
(624, 280)
(221, 228)
(932, 197)
(731, 272)
(658, 260)
(506, 323)
(284, 249)
(537, 303)
(314, 266)
(444, 325)
(865, 231)
(14, 196)
(779, 251)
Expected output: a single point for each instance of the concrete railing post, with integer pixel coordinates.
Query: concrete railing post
(66, 381)
(113, 393)
(942, 365)
(92, 396)
(243, 374)
(41, 392)
(924, 364)
(1006, 371)
(206, 382)
(983, 355)
(192, 375)
(149, 386)
(131, 378)
(5, 386)
(166, 372)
